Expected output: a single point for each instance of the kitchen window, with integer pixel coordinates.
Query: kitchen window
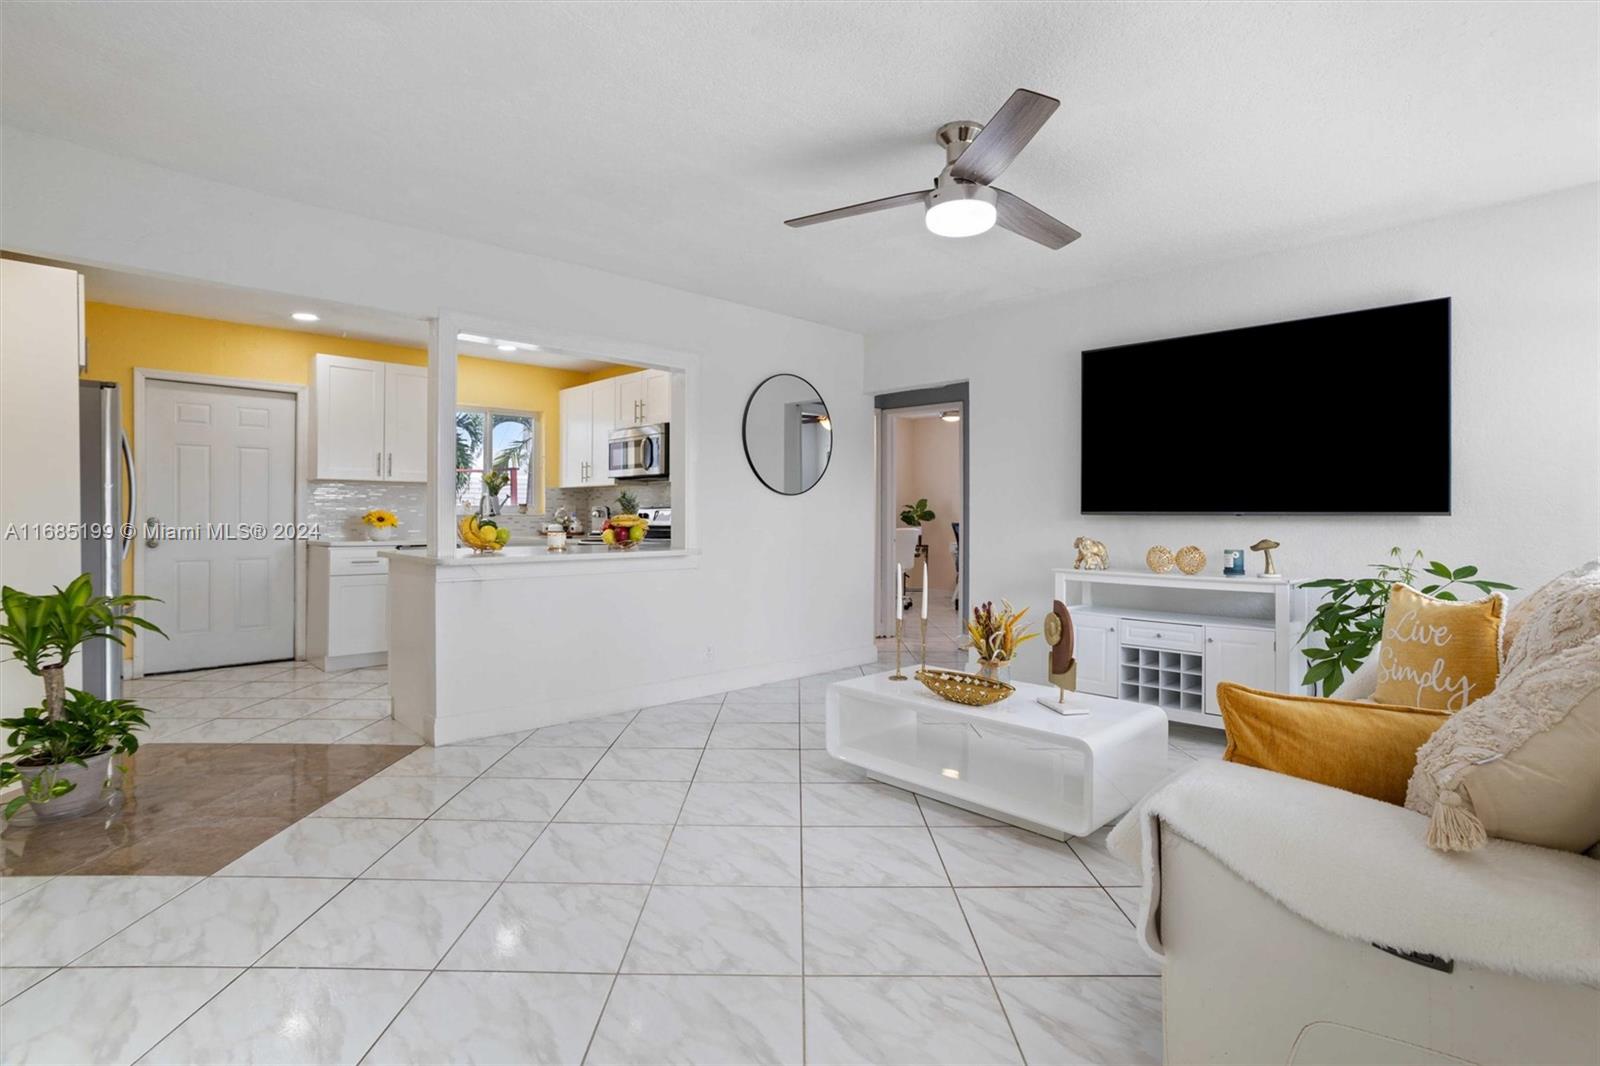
(488, 439)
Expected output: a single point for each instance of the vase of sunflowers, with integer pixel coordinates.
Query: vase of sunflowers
(996, 636)
(381, 524)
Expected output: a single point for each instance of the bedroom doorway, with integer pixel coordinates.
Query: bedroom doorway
(921, 503)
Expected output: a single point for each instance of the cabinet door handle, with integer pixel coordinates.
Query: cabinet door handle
(365, 562)
(391, 464)
(380, 464)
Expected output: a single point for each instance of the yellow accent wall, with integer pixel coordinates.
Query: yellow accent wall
(122, 338)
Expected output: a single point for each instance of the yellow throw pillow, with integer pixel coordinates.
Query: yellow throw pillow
(1438, 654)
(1366, 748)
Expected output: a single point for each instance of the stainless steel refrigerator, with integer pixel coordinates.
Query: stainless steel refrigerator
(104, 460)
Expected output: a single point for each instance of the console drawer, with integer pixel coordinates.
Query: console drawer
(1173, 636)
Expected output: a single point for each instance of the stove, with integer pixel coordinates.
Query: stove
(660, 519)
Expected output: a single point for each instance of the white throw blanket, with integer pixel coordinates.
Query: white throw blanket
(1361, 869)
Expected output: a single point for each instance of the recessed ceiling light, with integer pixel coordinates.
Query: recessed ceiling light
(951, 416)
(506, 347)
(472, 338)
(305, 316)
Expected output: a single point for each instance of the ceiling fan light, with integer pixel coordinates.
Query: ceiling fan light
(960, 210)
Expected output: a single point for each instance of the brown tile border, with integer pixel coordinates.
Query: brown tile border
(193, 808)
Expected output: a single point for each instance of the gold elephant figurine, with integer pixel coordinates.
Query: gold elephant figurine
(1092, 554)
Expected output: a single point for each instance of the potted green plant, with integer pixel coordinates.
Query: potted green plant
(71, 739)
(914, 514)
(1350, 619)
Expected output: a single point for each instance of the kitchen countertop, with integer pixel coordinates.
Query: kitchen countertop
(537, 555)
(354, 542)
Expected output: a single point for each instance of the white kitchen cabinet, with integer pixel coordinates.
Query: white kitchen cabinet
(644, 398)
(370, 420)
(588, 415)
(605, 420)
(1245, 656)
(1096, 650)
(405, 423)
(347, 606)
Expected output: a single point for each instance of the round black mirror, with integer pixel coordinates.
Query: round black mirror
(788, 437)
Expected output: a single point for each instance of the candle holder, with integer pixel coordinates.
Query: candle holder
(897, 675)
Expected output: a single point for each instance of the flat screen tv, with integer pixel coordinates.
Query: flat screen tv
(1340, 414)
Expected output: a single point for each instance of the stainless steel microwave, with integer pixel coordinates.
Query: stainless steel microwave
(637, 452)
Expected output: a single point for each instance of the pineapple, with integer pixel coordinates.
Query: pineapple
(627, 503)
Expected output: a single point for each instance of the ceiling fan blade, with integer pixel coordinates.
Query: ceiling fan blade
(1004, 136)
(905, 199)
(1022, 218)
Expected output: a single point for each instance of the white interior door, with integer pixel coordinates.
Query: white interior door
(219, 474)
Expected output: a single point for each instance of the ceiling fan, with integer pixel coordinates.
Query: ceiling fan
(963, 202)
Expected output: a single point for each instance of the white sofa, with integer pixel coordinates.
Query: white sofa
(1265, 895)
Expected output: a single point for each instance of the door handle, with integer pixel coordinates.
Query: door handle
(391, 464)
(380, 464)
(151, 540)
(133, 495)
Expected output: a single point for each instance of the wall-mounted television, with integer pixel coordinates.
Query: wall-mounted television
(1339, 414)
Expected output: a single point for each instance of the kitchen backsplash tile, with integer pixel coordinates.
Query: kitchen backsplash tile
(648, 493)
(336, 507)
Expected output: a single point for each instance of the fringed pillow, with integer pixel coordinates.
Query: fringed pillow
(1523, 763)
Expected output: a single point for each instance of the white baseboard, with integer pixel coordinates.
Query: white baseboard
(492, 721)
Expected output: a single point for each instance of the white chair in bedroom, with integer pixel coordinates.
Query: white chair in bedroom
(905, 553)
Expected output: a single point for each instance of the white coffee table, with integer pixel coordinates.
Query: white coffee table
(1014, 761)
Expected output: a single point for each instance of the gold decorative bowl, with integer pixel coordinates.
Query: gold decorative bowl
(973, 690)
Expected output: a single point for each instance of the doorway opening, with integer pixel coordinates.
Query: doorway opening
(923, 534)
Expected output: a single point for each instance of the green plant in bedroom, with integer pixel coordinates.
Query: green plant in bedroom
(1350, 619)
(72, 728)
(914, 514)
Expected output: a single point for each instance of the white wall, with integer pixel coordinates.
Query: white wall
(781, 579)
(39, 324)
(1524, 280)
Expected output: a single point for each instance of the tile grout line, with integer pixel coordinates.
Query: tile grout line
(297, 926)
(982, 960)
(622, 960)
(434, 969)
(805, 1036)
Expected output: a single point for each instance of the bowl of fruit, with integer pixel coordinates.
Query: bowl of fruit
(624, 531)
(483, 535)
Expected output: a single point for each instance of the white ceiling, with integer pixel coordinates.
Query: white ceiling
(669, 141)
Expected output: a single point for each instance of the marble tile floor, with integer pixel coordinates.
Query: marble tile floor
(269, 703)
(192, 808)
(946, 637)
(564, 895)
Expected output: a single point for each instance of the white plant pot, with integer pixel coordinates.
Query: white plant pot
(90, 794)
(381, 532)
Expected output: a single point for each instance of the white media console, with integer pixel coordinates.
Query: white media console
(1171, 658)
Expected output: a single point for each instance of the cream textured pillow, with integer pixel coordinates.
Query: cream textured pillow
(1557, 615)
(1363, 681)
(1523, 763)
